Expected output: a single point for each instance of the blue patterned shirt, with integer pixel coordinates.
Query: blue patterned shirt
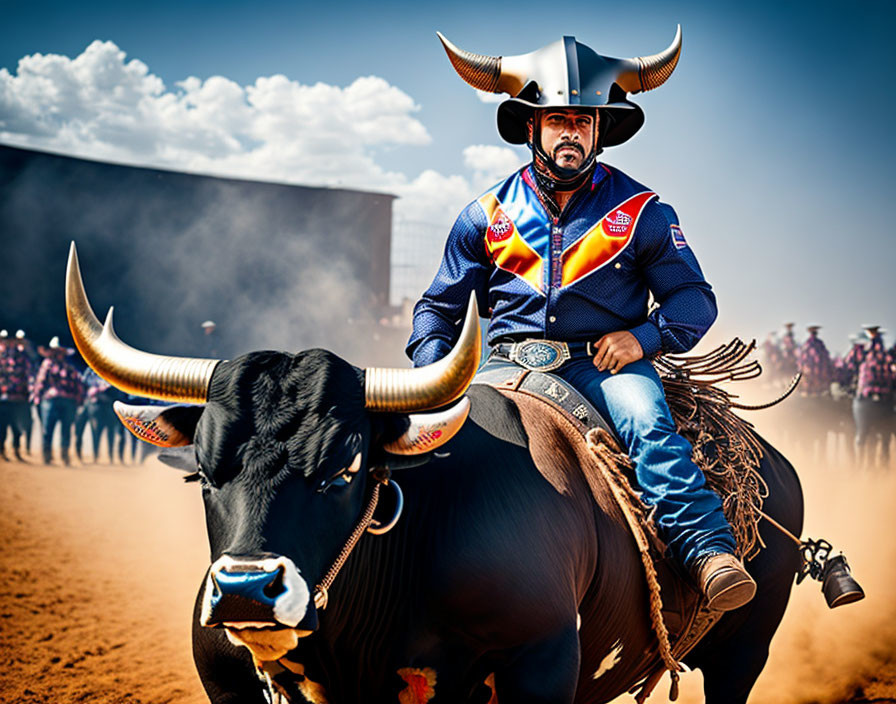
(578, 276)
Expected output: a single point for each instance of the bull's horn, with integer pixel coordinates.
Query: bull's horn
(493, 74)
(649, 72)
(179, 379)
(437, 384)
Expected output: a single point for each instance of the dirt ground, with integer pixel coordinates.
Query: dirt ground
(99, 566)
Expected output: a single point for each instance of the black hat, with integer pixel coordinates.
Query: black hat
(566, 73)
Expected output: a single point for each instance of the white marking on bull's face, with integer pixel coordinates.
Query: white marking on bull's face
(289, 606)
(610, 661)
(578, 621)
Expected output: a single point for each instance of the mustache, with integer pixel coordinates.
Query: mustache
(574, 145)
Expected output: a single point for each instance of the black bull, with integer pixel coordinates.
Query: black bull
(491, 569)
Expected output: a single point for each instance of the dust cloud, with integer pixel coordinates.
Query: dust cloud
(820, 655)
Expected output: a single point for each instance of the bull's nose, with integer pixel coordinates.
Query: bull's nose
(269, 590)
(261, 587)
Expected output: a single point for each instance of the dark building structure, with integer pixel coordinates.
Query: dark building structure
(275, 266)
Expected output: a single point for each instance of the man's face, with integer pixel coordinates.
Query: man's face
(567, 134)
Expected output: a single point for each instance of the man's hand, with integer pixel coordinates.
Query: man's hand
(617, 349)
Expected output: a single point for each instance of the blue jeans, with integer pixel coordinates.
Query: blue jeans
(688, 514)
(9, 418)
(52, 411)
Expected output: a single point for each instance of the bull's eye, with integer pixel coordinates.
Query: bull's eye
(341, 479)
(344, 476)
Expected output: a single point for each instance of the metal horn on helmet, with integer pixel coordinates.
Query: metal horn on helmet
(509, 74)
(492, 74)
(432, 386)
(179, 379)
(648, 72)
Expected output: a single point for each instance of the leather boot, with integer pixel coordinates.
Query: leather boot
(724, 581)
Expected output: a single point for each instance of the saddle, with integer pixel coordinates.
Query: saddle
(725, 448)
(557, 393)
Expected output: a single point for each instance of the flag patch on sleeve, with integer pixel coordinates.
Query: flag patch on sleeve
(678, 237)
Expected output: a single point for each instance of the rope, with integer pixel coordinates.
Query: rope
(726, 448)
(773, 402)
(321, 591)
(781, 528)
(610, 460)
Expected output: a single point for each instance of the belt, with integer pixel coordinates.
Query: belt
(543, 355)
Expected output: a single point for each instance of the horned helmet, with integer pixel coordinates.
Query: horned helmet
(566, 73)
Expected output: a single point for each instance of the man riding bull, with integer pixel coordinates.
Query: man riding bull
(564, 255)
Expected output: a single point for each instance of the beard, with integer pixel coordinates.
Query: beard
(567, 145)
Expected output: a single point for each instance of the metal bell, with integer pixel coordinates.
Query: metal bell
(837, 583)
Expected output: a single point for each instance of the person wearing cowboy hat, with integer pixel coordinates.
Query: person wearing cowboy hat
(789, 350)
(97, 412)
(814, 363)
(58, 391)
(26, 417)
(563, 256)
(872, 407)
(15, 378)
(816, 405)
(849, 365)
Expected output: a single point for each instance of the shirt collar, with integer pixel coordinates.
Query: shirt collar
(601, 172)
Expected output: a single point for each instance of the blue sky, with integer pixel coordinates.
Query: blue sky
(772, 139)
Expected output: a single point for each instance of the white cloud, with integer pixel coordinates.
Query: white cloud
(490, 163)
(101, 105)
(487, 97)
(433, 197)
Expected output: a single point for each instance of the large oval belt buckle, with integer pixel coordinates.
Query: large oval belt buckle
(540, 355)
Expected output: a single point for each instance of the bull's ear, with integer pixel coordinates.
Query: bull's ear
(183, 458)
(165, 426)
(426, 432)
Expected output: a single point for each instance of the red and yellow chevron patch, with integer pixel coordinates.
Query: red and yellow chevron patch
(506, 247)
(603, 242)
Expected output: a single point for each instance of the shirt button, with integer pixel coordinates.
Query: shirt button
(617, 265)
(553, 319)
